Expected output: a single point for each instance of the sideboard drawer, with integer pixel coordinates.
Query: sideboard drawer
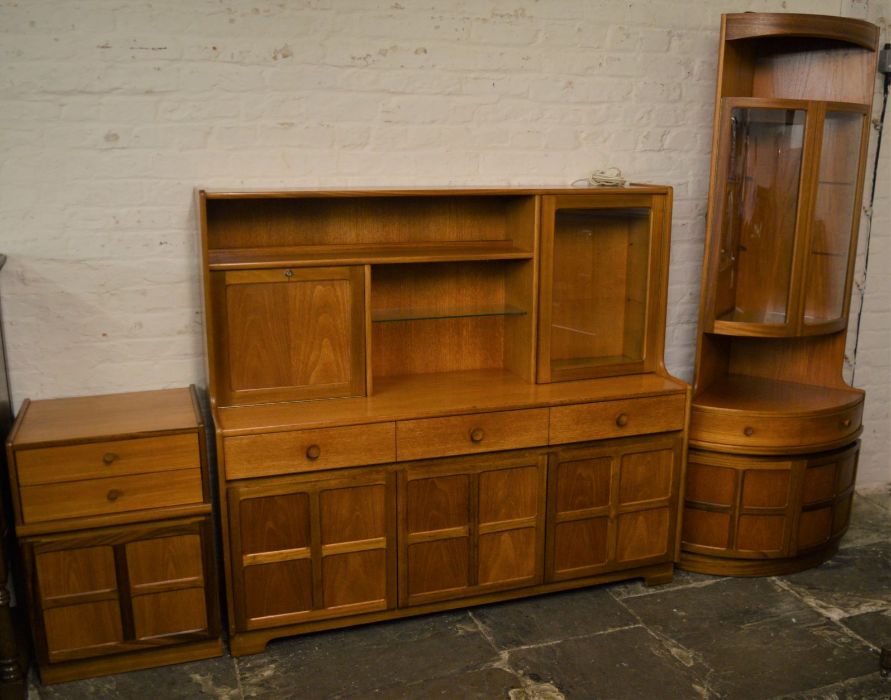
(309, 450)
(608, 419)
(47, 465)
(112, 495)
(473, 432)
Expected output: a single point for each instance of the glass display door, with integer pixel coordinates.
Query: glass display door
(596, 272)
(763, 149)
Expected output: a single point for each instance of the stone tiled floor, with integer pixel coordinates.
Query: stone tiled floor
(815, 634)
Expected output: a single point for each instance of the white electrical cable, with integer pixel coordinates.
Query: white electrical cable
(611, 177)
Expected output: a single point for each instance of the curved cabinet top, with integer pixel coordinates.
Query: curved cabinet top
(753, 25)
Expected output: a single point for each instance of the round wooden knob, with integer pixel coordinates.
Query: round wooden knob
(109, 457)
(622, 420)
(313, 452)
(846, 423)
(114, 495)
(748, 431)
(477, 435)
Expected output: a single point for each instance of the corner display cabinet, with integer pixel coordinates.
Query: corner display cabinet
(774, 427)
(428, 399)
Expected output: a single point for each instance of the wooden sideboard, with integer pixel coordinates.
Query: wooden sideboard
(112, 504)
(426, 399)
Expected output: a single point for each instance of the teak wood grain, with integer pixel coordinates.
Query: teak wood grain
(781, 237)
(115, 532)
(447, 443)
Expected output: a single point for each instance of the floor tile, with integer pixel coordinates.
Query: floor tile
(212, 678)
(874, 627)
(682, 579)
(870, 521)
(758, 640)
(344, 663)
(854, 581)
(629, 663)
(870, 687)
(553, 617)
(485, 684)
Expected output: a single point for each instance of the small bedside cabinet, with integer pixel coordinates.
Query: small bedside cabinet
(113, 518)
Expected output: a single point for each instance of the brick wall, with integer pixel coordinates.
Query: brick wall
(111, 112)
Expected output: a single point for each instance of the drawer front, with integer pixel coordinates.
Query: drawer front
(113, 495)
(809, 432)
(474, 432)
(608, 419)
(48, 465)
(309, 450)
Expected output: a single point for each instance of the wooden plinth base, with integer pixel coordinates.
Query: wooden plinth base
(254, 642)
(722, 566)
(136, 661)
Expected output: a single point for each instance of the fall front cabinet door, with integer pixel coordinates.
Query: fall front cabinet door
(287, 334)
(309, 549)
(471, 525)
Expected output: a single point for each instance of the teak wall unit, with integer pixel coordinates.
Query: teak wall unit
(774, 427)
(112, 507)
(426, 399)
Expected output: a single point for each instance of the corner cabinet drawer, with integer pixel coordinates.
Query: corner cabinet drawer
(113, 495)
(309, 450)
(609, 419)
(95, 460)
(473, 432)
(800, 433)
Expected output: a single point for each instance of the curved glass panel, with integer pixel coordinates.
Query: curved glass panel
(760, 207)
(831, 229)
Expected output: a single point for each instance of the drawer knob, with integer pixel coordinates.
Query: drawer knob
(114, 495)
(313, 452)
(109, 457)
(477, 435)
(846, 423)
(748, 431)
(622, 420)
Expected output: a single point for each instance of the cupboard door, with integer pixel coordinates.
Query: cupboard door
(612, 506)
(122, 589)
(600, 285)
(471, 525)
(287, 334)
(306, 550)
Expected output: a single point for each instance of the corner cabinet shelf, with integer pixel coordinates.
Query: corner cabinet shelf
(426, 399)
(772, 422)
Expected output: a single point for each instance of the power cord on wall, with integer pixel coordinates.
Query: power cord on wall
(611, 177)
(885, 68)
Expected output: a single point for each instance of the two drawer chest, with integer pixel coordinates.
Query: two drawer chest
(113, 517)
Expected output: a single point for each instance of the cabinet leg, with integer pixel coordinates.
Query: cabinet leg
(885, 660)
(659, 578)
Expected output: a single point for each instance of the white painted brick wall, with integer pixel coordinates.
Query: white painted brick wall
(112, 111)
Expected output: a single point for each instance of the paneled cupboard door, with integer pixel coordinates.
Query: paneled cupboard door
(612, 506)
(470, 525)
(599, 285)
(121, 589)
(312, 549)
(290, 333)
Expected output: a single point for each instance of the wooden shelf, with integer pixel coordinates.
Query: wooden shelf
(744, 393)
(314, 256)
(431, 313)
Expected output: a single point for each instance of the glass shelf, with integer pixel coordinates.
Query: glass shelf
(421, 314)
